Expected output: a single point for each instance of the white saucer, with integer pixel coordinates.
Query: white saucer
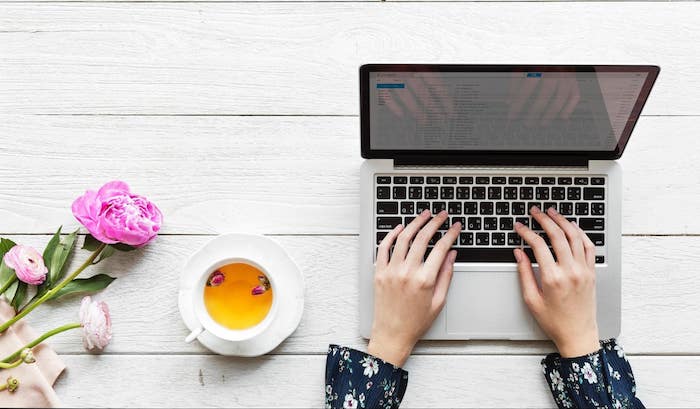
(288, 280)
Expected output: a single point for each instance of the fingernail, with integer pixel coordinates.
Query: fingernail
(535, 210)
(518, 224)
(457, 224)
(425, 213)
(517, 254)
(443, 213)
(552, 210)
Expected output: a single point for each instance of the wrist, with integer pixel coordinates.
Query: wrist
(579, 347)
(393, 352)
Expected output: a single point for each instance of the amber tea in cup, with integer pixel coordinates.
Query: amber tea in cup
(238, 296)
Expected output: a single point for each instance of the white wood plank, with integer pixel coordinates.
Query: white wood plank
(660, 303)
(273, 174)
(302, 58)
(434, 381)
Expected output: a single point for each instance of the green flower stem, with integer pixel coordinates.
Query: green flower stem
(54, 290)
(8, 284)
(17, 363)
(41, 339)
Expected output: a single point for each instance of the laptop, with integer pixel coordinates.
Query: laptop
(486, 143)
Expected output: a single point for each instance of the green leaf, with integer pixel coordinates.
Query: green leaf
(91, 243)
(5, 246)
(20, 295)
(10, 293)
(82, 285)
(6, 273)
(60, 255)
(51, 246)
(108, 251)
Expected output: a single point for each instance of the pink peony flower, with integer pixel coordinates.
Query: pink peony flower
(27, 263)
(97, 325)
(115, 215)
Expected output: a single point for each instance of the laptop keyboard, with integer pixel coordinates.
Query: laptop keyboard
(489, 206)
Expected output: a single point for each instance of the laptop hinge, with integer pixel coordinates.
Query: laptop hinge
(493, 160)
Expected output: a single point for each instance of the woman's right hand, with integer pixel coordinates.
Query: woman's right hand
(565, 306)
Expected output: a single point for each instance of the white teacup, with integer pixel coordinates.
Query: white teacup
(207, 323)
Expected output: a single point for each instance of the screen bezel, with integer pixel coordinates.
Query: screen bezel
(443, 155)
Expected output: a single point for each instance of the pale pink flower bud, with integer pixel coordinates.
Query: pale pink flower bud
(97, 325)
(257, 290)
(216, 279)
(27, 263)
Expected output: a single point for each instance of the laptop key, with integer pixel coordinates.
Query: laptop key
(597, 238)
(381, 235)
(470, 208)
(532, 180)
(400, 180)
(564, 181)
(526, 193)
(438, 207)
(558, 193)
(510, 192)
(498, 180)
(415, 192)
(466, 239)
(498, 239)
(462, 220)
(431, 192)
(580, 181)
(597, 209)
(417, 180)
(478, 193)
(447, 192)
(494, 192)
(383, 180)
(449, 180)
(482, 239)
(463, 192)
(597, 181)
(593, 193)
(486, 208)
(466, 180)
(542, 193)
(573, 193)
(566, 208)
(581, 209)
(502, 208)
(407, 207)
(388, 208)
(421, 206)
(433, 180)
(488, 254)
(518, 208)
(523, 220)
(515, 180)
(387, 223)
(590, 223)
(548, 180)
(514, 239)
(505, 223)
(599, 259)
(407, 220)
(482, 180)
(383, 192)
(399, 192)
(490, 223)
(436, 237)
(454, 208)
(474, 223)
(547, 205)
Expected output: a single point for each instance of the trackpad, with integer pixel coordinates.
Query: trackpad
(488, 305)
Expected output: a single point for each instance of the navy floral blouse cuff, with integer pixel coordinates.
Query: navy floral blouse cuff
(602, 379)
(355, 379)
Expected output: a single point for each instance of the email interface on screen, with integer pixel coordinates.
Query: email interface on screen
(548, 111)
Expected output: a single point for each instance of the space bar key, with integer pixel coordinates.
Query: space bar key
(488, 255)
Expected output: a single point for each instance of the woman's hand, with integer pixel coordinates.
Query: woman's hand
(410, 293)
(565, 306)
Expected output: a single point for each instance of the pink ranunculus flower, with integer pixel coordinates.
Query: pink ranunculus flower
(115, 215)
(28, 264)
(96, 322)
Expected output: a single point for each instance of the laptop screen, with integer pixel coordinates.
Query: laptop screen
(515, 108)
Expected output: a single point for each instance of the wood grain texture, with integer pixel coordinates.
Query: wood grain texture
(291, 175)
(434, 381)
(302, 58)
(660, 302)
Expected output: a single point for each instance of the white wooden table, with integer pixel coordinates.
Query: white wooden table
(242, 116)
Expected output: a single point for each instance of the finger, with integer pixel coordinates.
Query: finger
(542, 254)
(556, 235)
(420, 243)
(443, 280)
(574, 98)
(572, 234)
(403, 242)
(549, 85)
(588, 246)
(439, 253)
(528, 284)
(385, 246)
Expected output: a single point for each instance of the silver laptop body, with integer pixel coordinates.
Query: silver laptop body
(446, 137)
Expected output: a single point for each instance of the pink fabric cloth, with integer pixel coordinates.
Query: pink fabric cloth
(35, 380)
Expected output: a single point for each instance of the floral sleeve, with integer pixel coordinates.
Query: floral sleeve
(355, 379)
(602, 379)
